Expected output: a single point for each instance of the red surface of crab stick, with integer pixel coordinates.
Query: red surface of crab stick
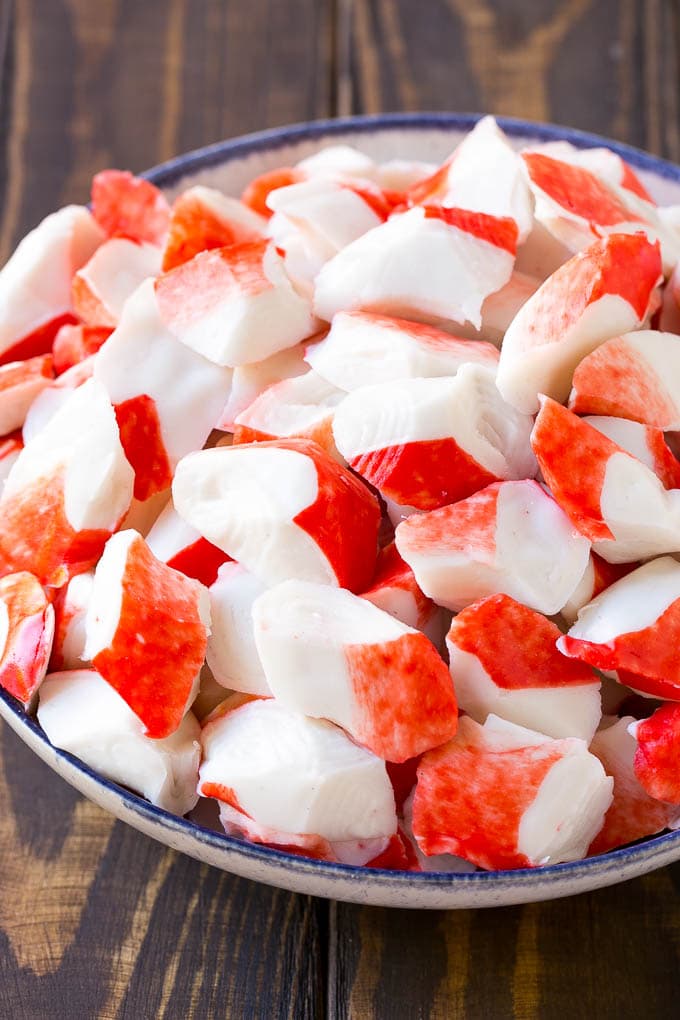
(302, 407)
(634, 628)
(234, 305)
(202, 219)
(395, 590)
(35, 284)
(427, 263)
(428, 442)
(281, 509)
(483, 173)
(601, 292)
(634, 376)
(146, 632)
(167, 397)
(67, 492)
(362, 348)
(646, 442)
(27, 627)
(249, 381)
(291, 776)
(103, 285)
(70, 610)
(657, 755)
(611, 496)
(176, 543)
(510, 538)
(604, 163)
(75, 343)
(232, 654)
(81, 713)
(633, 814)
(20, 384)
(504, 662)
(503, 796)
(333, 655)
(129, 206)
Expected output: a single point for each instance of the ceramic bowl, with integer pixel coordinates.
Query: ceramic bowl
(230, 165)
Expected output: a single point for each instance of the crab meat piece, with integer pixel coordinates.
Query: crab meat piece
(634, 627)
(35, 284)
(599, 293)
(71, 485)
(632, 376)
(435, 862)
(429, 262)
(167, 397)
(202, 219)
(613, 499)
(509, 538)
(75, 343)
(657, 754)
(128, 206)
(232, 655)
(503, 796)
(256, 193)
(484, 174)
(504, 662)
(20, 384)
(26, 632)
(428, 442)
(362, 348)
(574, 203)
(249, 381)
(645, 442)
(103, 285)
(82, 714)
(70, 610)
(301, 407)
(597, 576)
(334, 161)
(295, 774)
(54, 396)
(500, 309)
(150, 649)
(176, 543)
(603, 163)
(234, 305)
(10, 448)
(382, 681)
(394, 589)
(280, 510)
(633, 814)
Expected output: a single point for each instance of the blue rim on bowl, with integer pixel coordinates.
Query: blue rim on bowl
(378, 886)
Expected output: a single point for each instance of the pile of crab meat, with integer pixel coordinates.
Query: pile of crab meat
(351, 507)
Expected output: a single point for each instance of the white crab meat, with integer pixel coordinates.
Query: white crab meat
(249, 381)
(232, 654)
(20, 383)
(70, 608)
(176, 543)
(26, 633)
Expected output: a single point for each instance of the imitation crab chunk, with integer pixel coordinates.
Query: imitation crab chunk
(82, 714)
(656, 755)
(26, 632)
(279, 509)
(294, 774)
(503, 796)
(176, 543)
(146, 632)
(504, 662)
(70, 611)
(102, 286)
(20, 384)
(202, 219)
(429, 442)
(333, 655)
(250, 381)
(232, 654)
(509, 538)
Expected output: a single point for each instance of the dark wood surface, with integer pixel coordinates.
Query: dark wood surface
(96, 921)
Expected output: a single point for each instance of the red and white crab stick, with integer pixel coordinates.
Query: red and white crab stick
(71, 485)
(146, 632)
(428, 263)
(333, 655)
(232, 654)
(70, 611)
(603, 291)
(20, 384)
(428, 442)
(634, 628)
(645, 442)
(129, 206)
(203, 218)
(657, 754)
(176, 543)
(102, 286)
(363, 348)
(503, 796)
(27, 628)
(612, 497)
(249, 381)
(634, 376)
(280, 509)
(278, 771)
(504, 662)
(510, 537)
(82, 714)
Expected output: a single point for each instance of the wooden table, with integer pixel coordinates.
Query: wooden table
(96, 921)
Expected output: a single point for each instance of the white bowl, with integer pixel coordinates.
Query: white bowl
(229, 166)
